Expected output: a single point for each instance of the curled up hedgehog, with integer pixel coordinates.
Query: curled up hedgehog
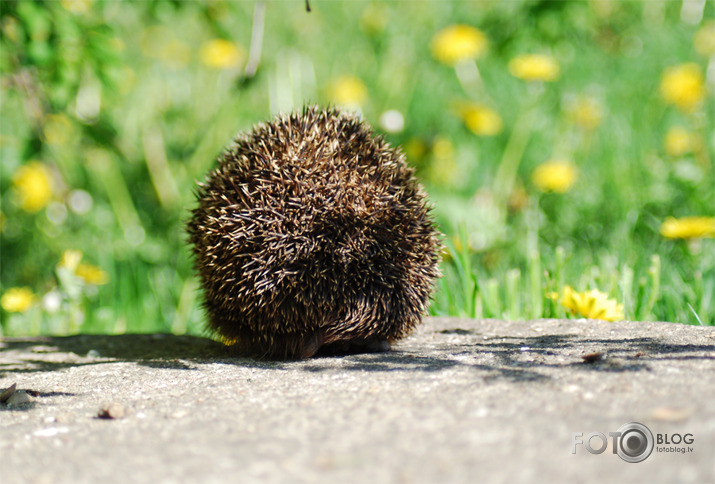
(313, 234)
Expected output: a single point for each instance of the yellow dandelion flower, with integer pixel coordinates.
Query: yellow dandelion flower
(457, 43)
(33, 185)
(535, 67)
(17, 299)
(688, 227)
(585, 112)
(705, 39)
(91, 274)
(77, 7)
(683, 86)
(679, 141)
(481, 120)
(554, 176)
(348, 91)
(592, 304)
(221, 54)
(87, 272)
(70, 260)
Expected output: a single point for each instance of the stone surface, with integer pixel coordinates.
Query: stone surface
(459, 401)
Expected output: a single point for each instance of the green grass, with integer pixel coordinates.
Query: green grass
(142, 118)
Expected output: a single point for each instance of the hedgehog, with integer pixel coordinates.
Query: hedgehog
(313, 235)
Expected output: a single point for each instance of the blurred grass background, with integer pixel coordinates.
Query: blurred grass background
(564, 184)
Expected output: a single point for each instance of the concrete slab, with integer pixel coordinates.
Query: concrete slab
(459, 401)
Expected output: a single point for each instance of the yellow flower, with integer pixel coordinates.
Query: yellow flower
(683, 86)
(70, 259)
(585, 112)
(679, 141)
(92, 274)
(592, 304)
(481, 120)
(87, 272)
(17, 299)
(688, 227)
(458, 43)
(221, 54)
(33, 185)
(705, 39)
(534, 67)
(554, 176)
(348, 91)
(77, 7)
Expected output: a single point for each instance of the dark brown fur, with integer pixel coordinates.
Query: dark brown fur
(313, 234)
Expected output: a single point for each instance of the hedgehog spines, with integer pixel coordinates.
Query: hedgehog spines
(313, 233)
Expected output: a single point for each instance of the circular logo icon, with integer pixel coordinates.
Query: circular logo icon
(635, 443)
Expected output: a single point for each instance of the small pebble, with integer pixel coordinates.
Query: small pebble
(594, 357)
(93, 354)
(111, 411)
(20, 397)
(7, 393)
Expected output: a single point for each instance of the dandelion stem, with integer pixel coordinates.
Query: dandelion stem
(469, 77)
(514, 152)
(158, 165)
(254, 53)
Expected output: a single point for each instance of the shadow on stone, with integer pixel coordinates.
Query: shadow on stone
(32, 354)
(497, 357)
(523, 358)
